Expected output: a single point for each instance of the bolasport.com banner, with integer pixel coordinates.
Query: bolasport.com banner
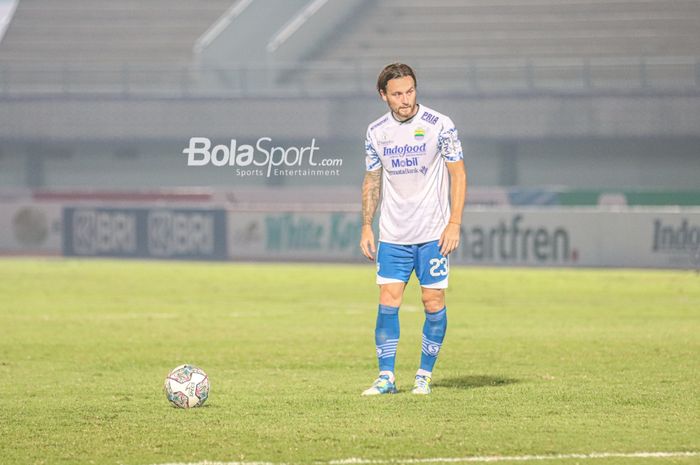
(263, 158)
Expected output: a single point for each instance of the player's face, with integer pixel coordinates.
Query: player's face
(400, 95)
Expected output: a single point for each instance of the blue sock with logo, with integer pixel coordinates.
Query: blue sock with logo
(434, 330)
(386, 337)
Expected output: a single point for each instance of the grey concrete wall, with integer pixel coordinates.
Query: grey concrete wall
(514, 117)
(577, 141)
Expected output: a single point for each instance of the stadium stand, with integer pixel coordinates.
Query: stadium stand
(546, 92)
(467, 45)
(93, 45)
(105, 31)
(464, 29)
(511, 42)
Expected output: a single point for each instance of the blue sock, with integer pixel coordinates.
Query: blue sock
(386, 336)
(433, 334)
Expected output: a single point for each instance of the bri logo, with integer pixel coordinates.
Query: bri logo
(404, 150)
(404, 162)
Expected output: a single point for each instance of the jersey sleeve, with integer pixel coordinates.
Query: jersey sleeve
(372, 162)
(448, 142)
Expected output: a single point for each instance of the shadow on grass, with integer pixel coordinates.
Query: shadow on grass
(474, 381)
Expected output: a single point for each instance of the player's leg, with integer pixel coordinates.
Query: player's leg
(387, 329)
(394, 267)
(432, 269)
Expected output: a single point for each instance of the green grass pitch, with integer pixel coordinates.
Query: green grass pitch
(536, 362)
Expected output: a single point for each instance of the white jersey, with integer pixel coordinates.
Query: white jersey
(415, 193)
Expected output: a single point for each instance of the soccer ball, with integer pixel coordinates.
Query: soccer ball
(187, 386)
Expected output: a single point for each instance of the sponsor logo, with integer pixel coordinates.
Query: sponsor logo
(104, 232)
(162, 233)
(511, 243)
(172, 233)
(31, 226)
(429, 118)
(295, 232)
(419, 134)
(384, 138)
(401, 150)
(669, 238)
(680, 243)
(423, 170)
(379, 123)
(404, 162)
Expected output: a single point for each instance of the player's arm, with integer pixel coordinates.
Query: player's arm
(449, 240)
(370, 199)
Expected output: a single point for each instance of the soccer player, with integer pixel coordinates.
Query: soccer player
(415, 165)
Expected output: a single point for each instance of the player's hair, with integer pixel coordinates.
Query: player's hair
(394, 71)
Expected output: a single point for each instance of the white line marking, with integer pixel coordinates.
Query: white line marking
(472, 459)
(518, 458)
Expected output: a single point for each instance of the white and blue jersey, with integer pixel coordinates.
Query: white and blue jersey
(415, 192)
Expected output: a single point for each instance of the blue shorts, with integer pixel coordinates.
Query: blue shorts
(396, 262)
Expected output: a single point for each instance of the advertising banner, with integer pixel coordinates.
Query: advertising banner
(568, 237)
(644, 238)
(302, 236)
(30, 228)
(581, 237)
(164, 233)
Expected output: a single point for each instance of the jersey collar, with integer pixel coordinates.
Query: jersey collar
(406, 120)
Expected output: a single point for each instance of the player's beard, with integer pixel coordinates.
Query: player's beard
(403, 113)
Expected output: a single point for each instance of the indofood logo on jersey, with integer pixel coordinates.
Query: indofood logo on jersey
(401, 154)
(262, 159)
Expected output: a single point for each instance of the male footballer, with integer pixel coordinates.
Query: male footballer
(415, 165)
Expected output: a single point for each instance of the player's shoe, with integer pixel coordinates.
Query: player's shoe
(381, 385)
(422, 385)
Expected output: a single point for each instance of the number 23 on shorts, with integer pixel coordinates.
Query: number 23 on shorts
(438, 267)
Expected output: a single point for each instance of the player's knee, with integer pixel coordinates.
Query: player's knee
(390, 300)
(433, 299)
(391, 295)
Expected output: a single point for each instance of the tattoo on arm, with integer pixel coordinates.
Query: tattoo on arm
(370, 195)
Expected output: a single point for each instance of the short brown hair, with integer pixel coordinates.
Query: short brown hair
(394, 71)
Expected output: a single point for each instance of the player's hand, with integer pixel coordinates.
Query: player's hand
(367, 242)
(449, 240)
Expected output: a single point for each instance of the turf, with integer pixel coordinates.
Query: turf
(535, 361)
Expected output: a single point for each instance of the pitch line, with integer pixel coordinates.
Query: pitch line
(470, 459)
(516, 458)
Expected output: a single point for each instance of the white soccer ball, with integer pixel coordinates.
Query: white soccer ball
(187, 386)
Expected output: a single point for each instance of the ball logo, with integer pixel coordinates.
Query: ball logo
(190, 389)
